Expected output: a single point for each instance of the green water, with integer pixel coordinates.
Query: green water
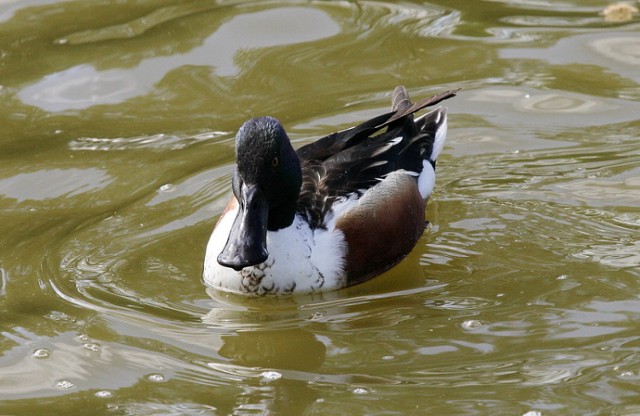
(116, 143)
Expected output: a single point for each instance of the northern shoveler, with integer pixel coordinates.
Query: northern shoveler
(335, 212)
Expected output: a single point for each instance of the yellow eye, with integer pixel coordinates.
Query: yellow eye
(275, 162)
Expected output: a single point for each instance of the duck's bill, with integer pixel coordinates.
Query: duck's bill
(247, 243)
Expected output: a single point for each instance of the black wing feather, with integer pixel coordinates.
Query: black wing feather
(353, 160)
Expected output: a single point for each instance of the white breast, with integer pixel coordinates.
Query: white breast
(300, 260)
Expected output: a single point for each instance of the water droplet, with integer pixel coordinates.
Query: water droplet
(471, 324)
(626, 374)
(104, 394)
(84, 338)
(58, 316)
(61, 41)
(41, 353)
(317, 316)
(156, 378)
(105, 278)
(388, 357)
(167, 187)
(65, 384)
(562, 277)
(533, 413)
(58, 131)
(360, 390)
(271, 375)
(92, 347)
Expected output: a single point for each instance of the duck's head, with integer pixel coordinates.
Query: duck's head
(266, 182)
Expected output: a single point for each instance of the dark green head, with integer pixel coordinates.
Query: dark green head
(266, 183)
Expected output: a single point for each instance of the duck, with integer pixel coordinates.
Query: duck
(331, 214)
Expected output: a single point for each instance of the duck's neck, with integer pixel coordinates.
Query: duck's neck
(282, 216)
(287, 186)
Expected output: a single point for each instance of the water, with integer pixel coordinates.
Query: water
(117, 143)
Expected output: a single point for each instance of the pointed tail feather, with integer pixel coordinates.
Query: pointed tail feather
(426, 102)
(402, 107)
(400, 100)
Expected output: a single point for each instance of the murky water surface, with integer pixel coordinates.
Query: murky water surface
(116, 138)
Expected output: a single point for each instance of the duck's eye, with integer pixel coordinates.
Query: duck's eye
(275, 162)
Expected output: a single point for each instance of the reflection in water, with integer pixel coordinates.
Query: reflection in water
(618, 52)
(10, 7)
(283, 350)
(54, 183)
(159, 141)
(67, 361)
(623, 253)
(557, 103)
(621, 49)
(83, 86)
(3, 282)
(544, 103)
(137, 26)
(276, 364)
(527, 109)
(601, 192)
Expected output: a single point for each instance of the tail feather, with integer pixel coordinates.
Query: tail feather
(400, 100)
(426, 102)
(435, 122)
(337, 142)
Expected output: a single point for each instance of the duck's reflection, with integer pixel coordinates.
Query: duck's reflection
(265, 333)
(277, 364)
(286, 349)
(283, 350)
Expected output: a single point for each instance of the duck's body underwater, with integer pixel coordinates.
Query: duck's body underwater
(337, 212)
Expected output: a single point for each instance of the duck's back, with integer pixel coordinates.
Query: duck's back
(351, 162)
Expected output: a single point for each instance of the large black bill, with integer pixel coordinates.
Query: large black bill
(247, 243)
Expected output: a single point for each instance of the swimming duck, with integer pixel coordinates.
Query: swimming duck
(334, 213)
